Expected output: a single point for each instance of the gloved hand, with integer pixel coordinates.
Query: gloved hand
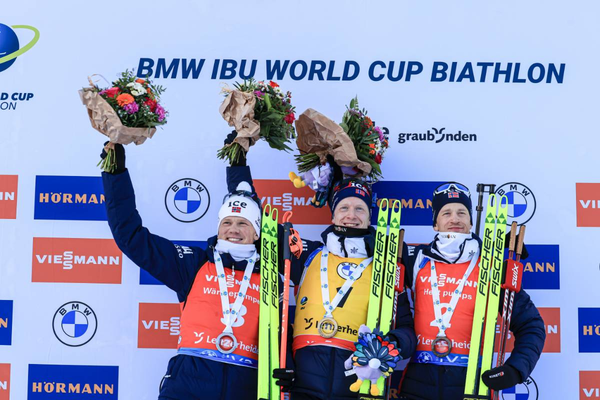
(500, 378)
(285, 378)
(241, 159)
(119, 154)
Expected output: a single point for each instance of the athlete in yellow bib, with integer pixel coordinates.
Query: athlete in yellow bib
(333, 298)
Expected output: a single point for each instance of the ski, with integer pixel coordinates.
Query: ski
(481, 299)
(268, 329)
(493, 303)
(380, 311)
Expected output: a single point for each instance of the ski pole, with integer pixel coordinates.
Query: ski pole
(481, 190)
(292, 244)
(511, 250)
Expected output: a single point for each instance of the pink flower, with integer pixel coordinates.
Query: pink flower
(160, 112)
(131, 108)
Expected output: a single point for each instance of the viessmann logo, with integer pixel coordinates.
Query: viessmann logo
(8, 196)
(589, 385)
(588, 204)
(55, 382)
(76, 260)
(158, 325)
(282, 195)
(69, 198)
(4, 381)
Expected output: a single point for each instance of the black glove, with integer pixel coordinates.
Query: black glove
(285, 378)
(501, 378)
(241, 160)
(119, 157)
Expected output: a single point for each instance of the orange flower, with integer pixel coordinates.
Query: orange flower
(124, 99)
(372, 145)
(371, 151)
(368, 123)
(273, 84)
(140, 80)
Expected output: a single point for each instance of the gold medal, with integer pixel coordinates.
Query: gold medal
(441, 346)
(327, 327)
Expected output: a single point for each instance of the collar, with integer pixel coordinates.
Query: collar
(465, 250)
(344, 243)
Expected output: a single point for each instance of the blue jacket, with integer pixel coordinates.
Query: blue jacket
(187, 377)
(438, 382)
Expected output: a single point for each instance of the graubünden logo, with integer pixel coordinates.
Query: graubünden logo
(187, 200)
(74, 324)
(436, 135)
(76, 260)
(158, 325)
(8, 196)
(588, 204)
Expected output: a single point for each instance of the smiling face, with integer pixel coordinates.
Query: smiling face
(453, 217)
(352, 212)
(237, 230)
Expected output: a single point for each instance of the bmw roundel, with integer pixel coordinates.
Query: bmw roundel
(521, 202)
(74, 323)
(187, 200)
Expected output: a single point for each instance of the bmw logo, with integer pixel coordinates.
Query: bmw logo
(187, 200)
(74, 324)
(521, 202)
(346, 269)
(527, 390)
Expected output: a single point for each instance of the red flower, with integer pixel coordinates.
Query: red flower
(151, 104)
(112, 92)
(378, 158)
(141, 81)
(289, 118)
(273, 84)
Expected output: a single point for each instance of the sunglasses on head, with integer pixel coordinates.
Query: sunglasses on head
(243, 193)
(452, 187)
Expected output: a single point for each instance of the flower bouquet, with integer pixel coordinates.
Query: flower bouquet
(128, 111)
(356, 145)
(257, 110)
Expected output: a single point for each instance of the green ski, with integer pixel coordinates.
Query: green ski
(493, 303)
(268, 330)
(381, 299)
(488, 292)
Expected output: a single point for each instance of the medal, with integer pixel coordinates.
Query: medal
(226, 343)
(327, 327)
(441, 346)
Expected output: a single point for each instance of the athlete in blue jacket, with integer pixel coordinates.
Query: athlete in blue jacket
(444, 275)
(217, 351)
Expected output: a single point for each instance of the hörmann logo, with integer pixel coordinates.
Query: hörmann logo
(69, 198)
(76, 260)
(437, 136)
(589, 330)
(8, 196)
(588, 204)
(541, 270)
(6, 317)
(283, 195)
(589, 385)
(4, 381)
(55, 382)
(551, 317)
(158, 325)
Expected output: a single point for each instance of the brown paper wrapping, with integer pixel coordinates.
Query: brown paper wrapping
(106, 121)
(320, 135)
(238, 110)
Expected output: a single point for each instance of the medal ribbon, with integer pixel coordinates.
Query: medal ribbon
(443, 322)
(332, 305)
(231, 313)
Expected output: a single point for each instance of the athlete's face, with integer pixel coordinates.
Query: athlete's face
(237, 230)
(352, 212)
(453, 217)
